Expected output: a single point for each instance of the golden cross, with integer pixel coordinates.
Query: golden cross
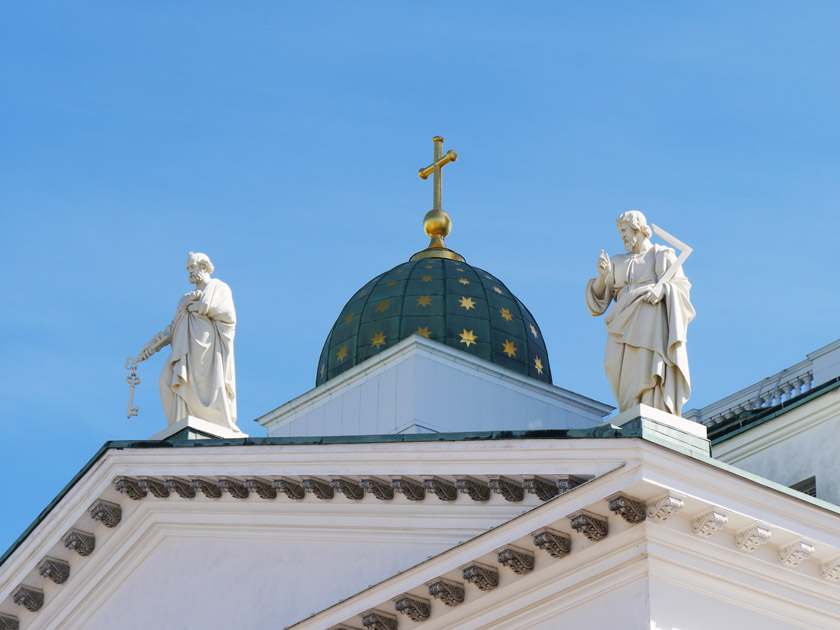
(440, 161)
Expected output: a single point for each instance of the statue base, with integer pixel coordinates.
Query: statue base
(665, 428)
(192, 428)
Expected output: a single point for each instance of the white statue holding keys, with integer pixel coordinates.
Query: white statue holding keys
(645, 360)
(198, 378)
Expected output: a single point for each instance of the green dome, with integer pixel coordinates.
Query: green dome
(445, 300)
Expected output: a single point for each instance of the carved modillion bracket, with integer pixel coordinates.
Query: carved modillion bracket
(209, 489)
(511, 490)
(155, 487)
(378, 620)
(318, 487)
(54, 569)
(707, 524)
(517, 560)
(349, 488)
(234, 487)
(262, 488)
(481, 576)
(830, 570)
(665, 507)
(591, 525)
(568, 482)
(751, 538)
(412, 490)
(441, 488)
(292, 489)
(182, 487)
(449, 592)
(107, 513)
(81, 542)
(382, 490)
(130, 487)
(555, 543)
(794, 554)
(543, 488)
(9, 622)
(415, 608)
(29, 597)
(473, 488)
(630, 509)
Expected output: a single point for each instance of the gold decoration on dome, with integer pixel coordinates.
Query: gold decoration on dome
(383, 306)
(378, 339)
(497, 290)
(424, 301)
(349, 318)
(390, 283)
(506, 314)
(538, 364)
(437, 223)
(463, 281)
(467, 303)
(426, 279)
(424, 331)
(509, 348)
(342, 353)
(323, 370)
(534, 331)
(468, 337)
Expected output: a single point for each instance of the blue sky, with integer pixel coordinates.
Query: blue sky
(283, 139)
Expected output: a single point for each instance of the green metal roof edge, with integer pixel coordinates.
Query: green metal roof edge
(775, 411)
(102, 450)
(599, 431)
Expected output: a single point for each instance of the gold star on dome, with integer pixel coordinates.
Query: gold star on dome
(424, 331)
(534, 331)
(424, 301)
(463, 281)
(390, 283)
(349, 318)
(497, 290)
(399, 271)
(538, 364)
(426, 279)
(323, 370)
(430, 266)
(342, 353)
(468, 337)
(488, 277)
(509, 348)
(378, 339)
(467, 303)
(383, 306)
(459, 268)
(506, 314)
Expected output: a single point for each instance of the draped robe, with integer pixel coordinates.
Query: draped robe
(198, 378)
(645, 359)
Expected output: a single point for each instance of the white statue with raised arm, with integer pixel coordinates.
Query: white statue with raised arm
(645, 360)
(198, 378)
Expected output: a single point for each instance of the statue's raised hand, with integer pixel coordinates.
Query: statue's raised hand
(604, 264)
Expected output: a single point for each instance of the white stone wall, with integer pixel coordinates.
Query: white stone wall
(422, 386)
(792, 447)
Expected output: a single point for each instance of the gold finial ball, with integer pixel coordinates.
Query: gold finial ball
(437, 223)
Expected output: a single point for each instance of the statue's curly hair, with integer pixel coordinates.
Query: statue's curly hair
(636, 220)
(203, 260)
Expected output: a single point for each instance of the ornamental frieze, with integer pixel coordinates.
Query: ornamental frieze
(9, 622)
(473, 488)
(442, 489)
(630, 509)
(29, 597)
(350, 489)
(555, 543)
(593, 526)
(382, 490)
(517, 560)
